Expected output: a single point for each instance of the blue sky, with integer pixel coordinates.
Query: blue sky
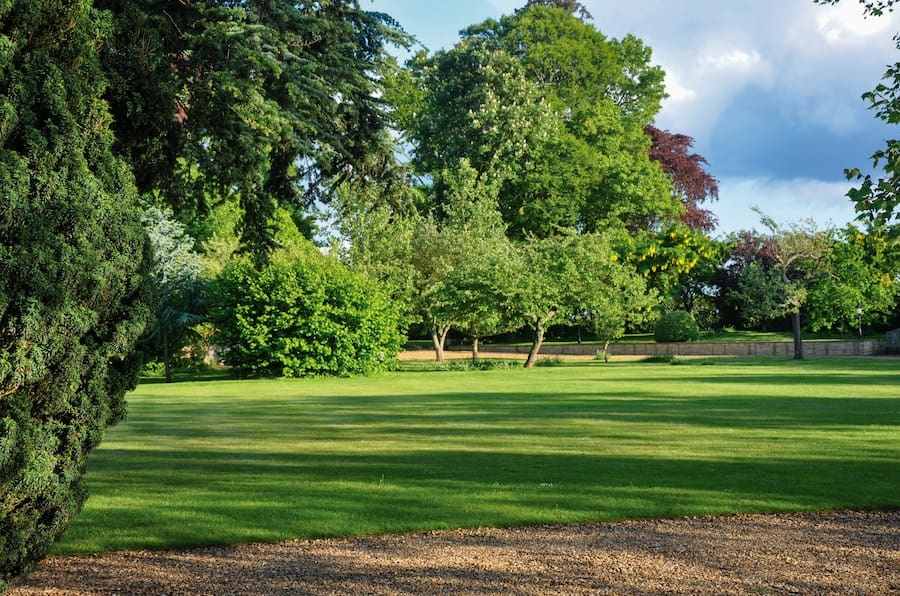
(769, 89)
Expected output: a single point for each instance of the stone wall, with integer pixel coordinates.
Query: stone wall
(869, 347)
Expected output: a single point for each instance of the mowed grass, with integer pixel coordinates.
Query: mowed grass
(235, 461)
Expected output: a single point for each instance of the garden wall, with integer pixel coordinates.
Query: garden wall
(869, 347)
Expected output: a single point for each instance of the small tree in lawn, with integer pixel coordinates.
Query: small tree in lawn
(629, 302)
(432, 258)
(801, 253)
(476, 289)
(573, 273)
(482, 261)
(177, 270)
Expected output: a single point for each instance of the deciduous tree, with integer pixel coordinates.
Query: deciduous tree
(691, 183)
(864, 274)
(517, 94)
(801, 254)
(568, 274)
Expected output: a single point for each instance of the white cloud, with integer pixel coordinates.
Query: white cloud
(702, 88)
(785, 200)
(736, 61)
(845, 22)
(677, 90)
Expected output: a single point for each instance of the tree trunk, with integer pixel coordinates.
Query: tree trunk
(438, 337)
(535, 345)
(798, 336)
(165, 346)
(475, 350)
(606, 352)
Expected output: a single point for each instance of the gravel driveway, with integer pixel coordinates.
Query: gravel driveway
(811, 553)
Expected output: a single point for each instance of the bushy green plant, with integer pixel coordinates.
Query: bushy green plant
(303, 314)
(660, 359)
(676, 326)
(74, 272)
(550, 361)
(482, 364)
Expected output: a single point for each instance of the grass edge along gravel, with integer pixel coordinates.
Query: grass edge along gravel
(221, 461)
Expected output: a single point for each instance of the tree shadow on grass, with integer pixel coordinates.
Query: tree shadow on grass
(180, 498)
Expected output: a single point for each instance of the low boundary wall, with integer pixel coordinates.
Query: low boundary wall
(867, 347)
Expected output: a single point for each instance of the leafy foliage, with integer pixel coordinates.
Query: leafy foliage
(303, 314)
(876, 200)
(676, 326)
(484, 259)
(570, 275)
(760, 294)
(516, 94)
(691, 184)
(800, 254)
(74, 271)
(675, 261)
(863, 275)
(263, 103)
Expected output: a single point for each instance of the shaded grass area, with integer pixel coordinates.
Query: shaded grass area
(222, 461)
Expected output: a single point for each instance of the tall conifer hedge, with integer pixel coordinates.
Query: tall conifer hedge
(73, 271)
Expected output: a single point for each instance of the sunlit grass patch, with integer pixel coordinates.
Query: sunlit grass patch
(223, 461)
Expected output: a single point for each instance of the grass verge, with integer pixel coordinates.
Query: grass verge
(222, 461)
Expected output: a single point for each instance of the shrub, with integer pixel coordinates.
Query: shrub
(482, 364)
(677, 326)
(550, 361)
(660, 359)
(303, 314)
(74, 273)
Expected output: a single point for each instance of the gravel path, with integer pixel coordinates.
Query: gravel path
(814, 553)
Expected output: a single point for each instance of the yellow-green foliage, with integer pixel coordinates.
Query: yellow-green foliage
(303, 314)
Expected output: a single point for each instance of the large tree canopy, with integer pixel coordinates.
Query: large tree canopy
(546, 106)
(265, 103)
(74, 261)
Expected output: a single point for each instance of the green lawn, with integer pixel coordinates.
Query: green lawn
(224, 461)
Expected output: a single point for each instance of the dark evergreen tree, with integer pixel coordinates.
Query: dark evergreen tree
(264, 103)
(73, 271)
